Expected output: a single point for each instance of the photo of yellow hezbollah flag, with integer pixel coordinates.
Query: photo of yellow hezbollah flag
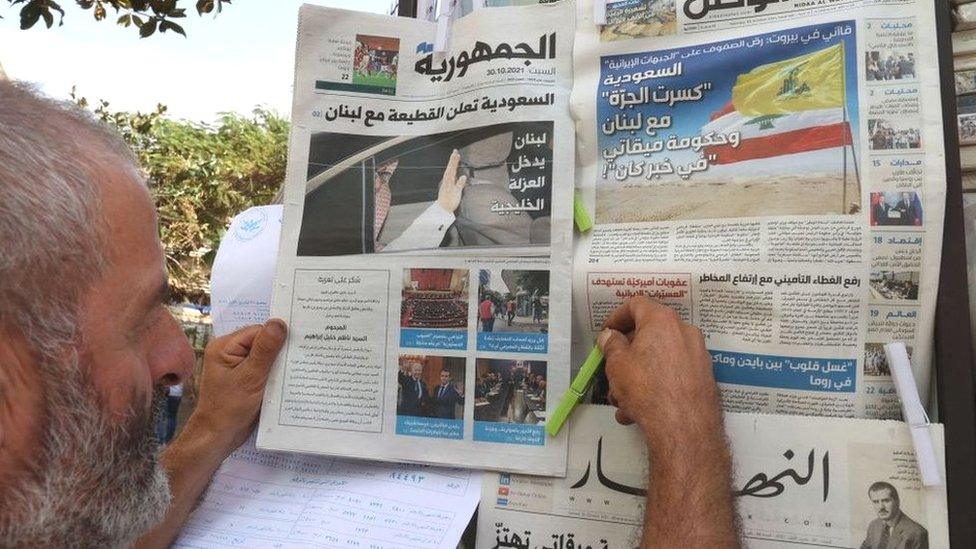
(808, 82)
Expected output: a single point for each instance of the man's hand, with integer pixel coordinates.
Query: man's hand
(235, 370)
(452, 186)
(661, 378)
(660, 372)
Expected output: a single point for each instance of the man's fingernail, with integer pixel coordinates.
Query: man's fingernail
(603, 337)
(276, 327)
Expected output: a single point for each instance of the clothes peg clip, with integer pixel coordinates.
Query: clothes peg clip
(445, 18)
(580, 215)
(914, 412)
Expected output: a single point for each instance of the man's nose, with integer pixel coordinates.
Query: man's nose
(171, 358)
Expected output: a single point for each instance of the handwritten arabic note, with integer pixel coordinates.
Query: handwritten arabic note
(262, 499)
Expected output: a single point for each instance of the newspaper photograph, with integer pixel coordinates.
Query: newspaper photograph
(426, 240)
(801, 481)
(769, 171)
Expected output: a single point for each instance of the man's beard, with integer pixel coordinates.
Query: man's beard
(95, 483)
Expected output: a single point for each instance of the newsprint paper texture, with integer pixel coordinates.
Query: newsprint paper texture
(799, 481)
(266, 499)
(426, 243)
(775, 172)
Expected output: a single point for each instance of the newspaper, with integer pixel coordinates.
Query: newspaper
(773, 171)
(267, 499)
(426, 241)
(805, 482)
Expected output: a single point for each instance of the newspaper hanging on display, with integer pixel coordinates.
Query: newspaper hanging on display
(426, 244)
(773, 171)
(798, 482)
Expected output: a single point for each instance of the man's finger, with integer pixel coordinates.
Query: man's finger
(267, 344)
(612, 343)
(634, 312)
(639, 314)
(462, 182)
(452, 164)
(232, 348)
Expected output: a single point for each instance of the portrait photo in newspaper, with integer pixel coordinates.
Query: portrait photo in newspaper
(886, 499)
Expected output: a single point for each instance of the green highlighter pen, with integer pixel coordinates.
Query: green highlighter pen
(577, 389)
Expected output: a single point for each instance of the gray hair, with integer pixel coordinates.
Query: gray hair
(94, 483)
(50, 221)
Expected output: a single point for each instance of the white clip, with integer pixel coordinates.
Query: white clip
(600, 12)
(914, 412)
(445, 18)
(443, 30)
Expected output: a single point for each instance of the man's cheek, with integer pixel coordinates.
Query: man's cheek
(124, 399)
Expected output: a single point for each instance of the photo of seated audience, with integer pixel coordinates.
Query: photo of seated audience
(894, 285)
(431, 386)
(513, 301)
(896, 208)
(875, 360)
(887, 135)
(510, 391)
(434, 299)
(896, 64)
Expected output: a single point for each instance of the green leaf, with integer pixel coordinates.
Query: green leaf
(165, 25)
(148, 28)
(29, 15)
(125, 20)
(48, 17)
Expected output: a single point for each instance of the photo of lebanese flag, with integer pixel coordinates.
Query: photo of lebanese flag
(776, 134)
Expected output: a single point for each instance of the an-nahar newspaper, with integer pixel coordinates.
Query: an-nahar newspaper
(774, 171)
(797, 482)
(426, 251)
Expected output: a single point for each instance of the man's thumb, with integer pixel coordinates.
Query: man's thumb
(611, 342)
(268, 343)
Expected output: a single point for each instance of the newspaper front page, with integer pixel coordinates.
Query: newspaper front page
(798, 482)
(774, 172)
(426, 241)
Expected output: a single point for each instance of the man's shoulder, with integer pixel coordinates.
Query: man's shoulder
(911, 527)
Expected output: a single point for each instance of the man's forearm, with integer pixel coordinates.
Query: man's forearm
(689, 497)
(190, 461)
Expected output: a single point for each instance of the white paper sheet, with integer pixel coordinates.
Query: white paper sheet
(243, 271)
(268, 499)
